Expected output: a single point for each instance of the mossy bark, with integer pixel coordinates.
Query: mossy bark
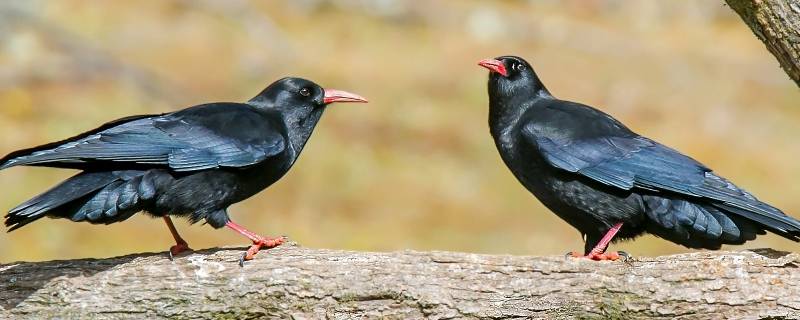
(293, 282)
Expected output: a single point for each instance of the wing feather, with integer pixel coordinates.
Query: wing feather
(198, 138)
(627, 161)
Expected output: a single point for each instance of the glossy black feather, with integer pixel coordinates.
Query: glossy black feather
(202, 137)
(594, 172)
(73, 188)
(24, 152)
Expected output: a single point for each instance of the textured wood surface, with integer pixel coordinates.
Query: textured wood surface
(777, 24)
(290, 281)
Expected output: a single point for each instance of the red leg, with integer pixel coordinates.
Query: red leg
(598, 252)
(181, 244)
(259, 242)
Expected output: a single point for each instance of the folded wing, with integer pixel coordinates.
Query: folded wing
(630, 162)
(202, 137)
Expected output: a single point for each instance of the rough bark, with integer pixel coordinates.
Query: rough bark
(777, 24)
(293, 282)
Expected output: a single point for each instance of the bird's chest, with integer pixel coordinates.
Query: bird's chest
(532, 172)
(234, 185)
(217, 189)
(254, 179)
(524, 162)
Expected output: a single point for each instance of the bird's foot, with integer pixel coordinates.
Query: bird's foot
(178, 248)
(609, 255)
(268, 242)
(597, 256)
(258, 244)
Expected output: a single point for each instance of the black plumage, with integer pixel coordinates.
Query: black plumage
(194, 162)
(595, 173)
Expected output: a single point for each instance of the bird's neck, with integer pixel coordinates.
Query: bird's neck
(300, 129)
(509, 100)
(505, 112)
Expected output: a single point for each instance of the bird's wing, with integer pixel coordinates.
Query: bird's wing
(622, 162)
(629, 161)
(202, 137)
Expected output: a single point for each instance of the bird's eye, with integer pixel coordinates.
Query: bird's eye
(519, 67)
(305, 92)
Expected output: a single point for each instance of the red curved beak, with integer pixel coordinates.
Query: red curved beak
(494, 65)
(333, 95)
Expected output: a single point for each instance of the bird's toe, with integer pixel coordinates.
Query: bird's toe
(607, 256)
(242, 259)
(268, 242)
(178, 249)
(612, 256)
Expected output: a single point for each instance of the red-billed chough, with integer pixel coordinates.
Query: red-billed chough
(606, 180)
(193, 163)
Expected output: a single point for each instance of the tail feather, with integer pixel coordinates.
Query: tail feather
(737, 202)
(776, 221)
(94, 197)
(705, 225)
(70, 190)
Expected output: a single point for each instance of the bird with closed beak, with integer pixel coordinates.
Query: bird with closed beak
(191, 163)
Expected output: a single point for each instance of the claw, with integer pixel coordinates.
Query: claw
(241, 260)
(177, 249)
(624, 256)
(180, 244)
(259, 242)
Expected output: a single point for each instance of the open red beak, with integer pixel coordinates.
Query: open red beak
(333, 95)
(494, 65)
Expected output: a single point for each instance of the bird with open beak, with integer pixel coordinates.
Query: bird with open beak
(610, 182)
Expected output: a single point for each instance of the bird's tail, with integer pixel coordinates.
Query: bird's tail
(766, 217)
(738, 202)
(72, 189)
(727, 215)
(96, 197)
(696, 225)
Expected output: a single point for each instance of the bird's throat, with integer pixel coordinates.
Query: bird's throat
(300, 129)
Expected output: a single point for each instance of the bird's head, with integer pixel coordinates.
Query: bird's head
(510, 74)
(300, 99)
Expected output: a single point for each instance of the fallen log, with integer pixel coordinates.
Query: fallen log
(302, 283)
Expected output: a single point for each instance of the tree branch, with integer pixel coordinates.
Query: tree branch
(308, 283)
(777, 24)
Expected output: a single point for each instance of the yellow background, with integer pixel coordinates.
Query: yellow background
(415, 168)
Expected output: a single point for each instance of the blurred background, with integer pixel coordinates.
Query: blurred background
(415, 168)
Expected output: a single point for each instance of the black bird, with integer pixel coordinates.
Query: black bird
(193, 163)
(606, 180)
